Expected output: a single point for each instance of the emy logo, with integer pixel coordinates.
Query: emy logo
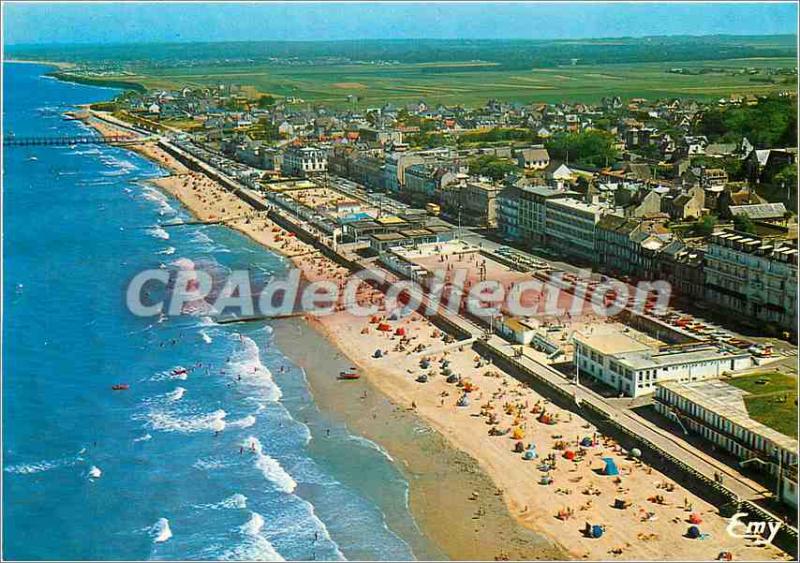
(761, 533)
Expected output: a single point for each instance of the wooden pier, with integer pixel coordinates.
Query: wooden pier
(64, 141)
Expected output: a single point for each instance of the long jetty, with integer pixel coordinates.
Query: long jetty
(67, 140)
(219, 221)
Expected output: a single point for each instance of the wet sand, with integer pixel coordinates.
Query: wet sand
(442, 479)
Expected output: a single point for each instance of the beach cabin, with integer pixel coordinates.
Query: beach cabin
(519, 329)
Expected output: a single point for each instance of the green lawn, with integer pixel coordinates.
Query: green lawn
(765, 402)
(473, 84)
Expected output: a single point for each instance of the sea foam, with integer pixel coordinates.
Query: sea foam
(254, 547)
(245, 422)
(160, 531)
(169, 422)
(176, 394)
(44, 465)
(269, 467)
(246, 364)
(158, 232)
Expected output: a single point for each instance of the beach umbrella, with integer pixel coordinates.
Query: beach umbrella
(636, 452)
(569, 454)
(452, 378)
(693, 532)
(694, 518)
(422, 378)
(586, 442)
(377, 354)
(597, 531)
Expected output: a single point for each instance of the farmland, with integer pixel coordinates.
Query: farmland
(452, 71)
(472, 85)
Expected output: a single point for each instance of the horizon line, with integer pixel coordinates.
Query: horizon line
(397, 39)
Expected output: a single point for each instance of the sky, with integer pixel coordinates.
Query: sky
(135, 22)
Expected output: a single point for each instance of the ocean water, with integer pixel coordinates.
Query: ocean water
(229, 459)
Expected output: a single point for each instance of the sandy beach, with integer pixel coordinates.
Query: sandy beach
(452, 499)
(641, 513)
(61, 65)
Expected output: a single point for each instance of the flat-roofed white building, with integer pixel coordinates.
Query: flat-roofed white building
(633, 366)
(717, 412)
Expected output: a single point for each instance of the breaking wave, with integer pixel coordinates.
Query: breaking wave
(269, 467)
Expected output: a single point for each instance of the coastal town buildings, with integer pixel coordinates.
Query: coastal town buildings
(508, 214)
(633, 214)
(570, 226)
(630, 246)
(478, 203)
(716, 411)
(753, 276)
(633, 364)
(533, 202)
(394, 170)
(304, 161)
(534, 158)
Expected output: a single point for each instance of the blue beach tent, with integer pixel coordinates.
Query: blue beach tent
(611, 467)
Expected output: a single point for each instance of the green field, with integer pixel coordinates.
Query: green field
(765, 402)
(472, 84)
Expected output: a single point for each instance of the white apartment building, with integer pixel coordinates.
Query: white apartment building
(304, 161)
(570, 226)
(532, 208)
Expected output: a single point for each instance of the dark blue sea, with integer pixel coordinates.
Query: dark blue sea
(157, 471)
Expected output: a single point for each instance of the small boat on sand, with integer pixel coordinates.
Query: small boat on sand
(349, 375)
(120, 387)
